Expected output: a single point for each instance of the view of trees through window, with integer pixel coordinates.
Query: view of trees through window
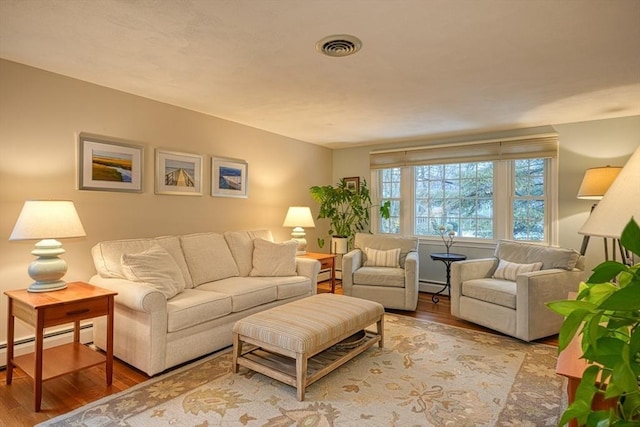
(464, 197)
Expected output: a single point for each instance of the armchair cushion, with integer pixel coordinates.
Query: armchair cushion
(510, 270)
(156, 268)
(550, 256)
(379, 276)
(494, 291)
(381, 258)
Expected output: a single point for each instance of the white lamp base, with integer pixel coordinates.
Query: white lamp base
(298, 235)
(47, 269)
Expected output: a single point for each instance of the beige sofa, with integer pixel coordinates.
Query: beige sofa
(179, 296)
(508, 292)
(392, 279)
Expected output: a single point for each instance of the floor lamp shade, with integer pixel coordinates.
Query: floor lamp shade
(299, 217)
(597, 181)
(620, 203)
(46, 221)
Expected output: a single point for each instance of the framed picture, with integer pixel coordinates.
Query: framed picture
(109, 165)
(352, 183)
(229, 177)
(178, 173)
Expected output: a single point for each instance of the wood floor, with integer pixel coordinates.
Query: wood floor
(63, 394)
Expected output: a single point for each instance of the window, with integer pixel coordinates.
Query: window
(492, 193)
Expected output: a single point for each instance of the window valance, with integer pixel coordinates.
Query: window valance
(524, 147)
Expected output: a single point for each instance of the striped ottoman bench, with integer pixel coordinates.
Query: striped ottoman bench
(295, 343)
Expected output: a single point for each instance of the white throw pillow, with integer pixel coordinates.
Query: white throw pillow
(378, 258)
(510, 270)
(274, 259)
(156, 268)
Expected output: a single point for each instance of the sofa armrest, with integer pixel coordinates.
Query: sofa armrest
(351, 261)
(136, 296)
(462, 271)
(310, 268)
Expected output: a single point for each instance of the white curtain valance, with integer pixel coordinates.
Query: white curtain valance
(538, 146)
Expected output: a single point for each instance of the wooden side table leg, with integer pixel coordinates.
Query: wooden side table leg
(109, 361)
(37, 380)
(333, 276)
(10, 340)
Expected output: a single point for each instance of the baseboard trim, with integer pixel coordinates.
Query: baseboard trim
(432, 287)
(51, 339)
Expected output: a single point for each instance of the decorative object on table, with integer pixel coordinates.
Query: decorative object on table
(595, 183)
(299, 217)
(178, 173)
(605, 313)
(348, 211)
(447, 258)
(477, 379)
(46, 221)
(620, 203)
(109, 165)
(447, 235)
(229, 177)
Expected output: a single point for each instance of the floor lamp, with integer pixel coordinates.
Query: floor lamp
(595, 183)
(620, 203)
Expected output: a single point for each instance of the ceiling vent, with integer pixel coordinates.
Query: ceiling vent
(339, 45)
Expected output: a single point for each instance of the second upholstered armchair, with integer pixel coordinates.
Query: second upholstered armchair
(384, 269)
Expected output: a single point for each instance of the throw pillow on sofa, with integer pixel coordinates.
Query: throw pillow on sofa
(156, 268)
(208, 257)
(274, 259)
(510, 270)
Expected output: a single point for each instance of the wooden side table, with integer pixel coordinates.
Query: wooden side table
(79, 301)
(326, 261)
(447, 258)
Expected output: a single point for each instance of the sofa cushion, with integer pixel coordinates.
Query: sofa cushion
(208, 257)
(156, 268)
(290, 286)
(510, 270)
(274, 259)
(193, 307)
(107, 256)
(526, 253)
(245, 292)
(494, 291)
(380, 258)
(241, 246)
(379, 276)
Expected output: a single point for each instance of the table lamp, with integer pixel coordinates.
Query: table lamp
(47, 220)
(299, 217)
(596, 182)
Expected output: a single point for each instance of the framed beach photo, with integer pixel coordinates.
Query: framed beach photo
(109, 165)
(229, 177)
(352, 183)
(178, 173)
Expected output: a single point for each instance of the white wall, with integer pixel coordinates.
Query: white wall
(582, 145)
(40, 116)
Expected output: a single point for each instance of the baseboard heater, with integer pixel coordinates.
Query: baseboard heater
(51, 339)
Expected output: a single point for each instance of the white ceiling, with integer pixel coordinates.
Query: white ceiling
(428, 68)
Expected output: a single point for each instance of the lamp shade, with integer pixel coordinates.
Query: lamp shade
(299, 216)
(596, 182)
(620, 203)
(47, 219)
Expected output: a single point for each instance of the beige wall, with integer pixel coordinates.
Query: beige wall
(40, 116)
(582, 145)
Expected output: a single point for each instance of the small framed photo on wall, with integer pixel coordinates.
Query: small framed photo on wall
(109, 165)
(352, 183)
(229, 177)
(178, 173)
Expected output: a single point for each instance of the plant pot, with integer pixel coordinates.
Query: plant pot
(339, 245)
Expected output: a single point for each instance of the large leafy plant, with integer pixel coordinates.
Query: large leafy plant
(607, 313)
(348, 210)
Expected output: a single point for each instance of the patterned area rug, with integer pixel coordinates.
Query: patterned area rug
(428, 374)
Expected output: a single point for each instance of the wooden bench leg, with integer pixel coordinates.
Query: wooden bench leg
(301, 375)
(237, 351)
(380, 326)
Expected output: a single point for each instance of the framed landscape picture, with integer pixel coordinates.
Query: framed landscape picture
(229, 177)
(178, 173)
(352, 183)
(107, 165)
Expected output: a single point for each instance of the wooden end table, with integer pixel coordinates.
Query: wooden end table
(79, 301)
(326, 261)
(447, 258)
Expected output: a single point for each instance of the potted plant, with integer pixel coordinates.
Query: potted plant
(346, 208)
(607, 314)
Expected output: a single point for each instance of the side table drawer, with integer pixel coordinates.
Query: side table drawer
(73, 311)
(326, 263)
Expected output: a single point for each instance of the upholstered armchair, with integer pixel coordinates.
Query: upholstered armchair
(508, 292)
(383, 269)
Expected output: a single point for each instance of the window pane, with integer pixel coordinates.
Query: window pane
(528, 209)
(390, 190)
